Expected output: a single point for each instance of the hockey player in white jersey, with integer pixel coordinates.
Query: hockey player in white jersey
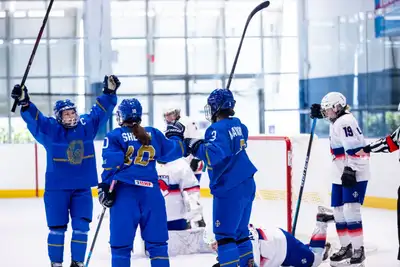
(173, 114)
(350, 177)
(275, 247)
(181, 191)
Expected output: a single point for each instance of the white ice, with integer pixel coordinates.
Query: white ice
(24, 234)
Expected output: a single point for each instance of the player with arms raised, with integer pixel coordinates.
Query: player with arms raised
(231, 178)
(350, 176)
(275, 247)
(71, 165)
(129, 157)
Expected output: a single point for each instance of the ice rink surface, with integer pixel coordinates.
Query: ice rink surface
(24, 234)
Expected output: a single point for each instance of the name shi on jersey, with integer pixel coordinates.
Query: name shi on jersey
(130, 137)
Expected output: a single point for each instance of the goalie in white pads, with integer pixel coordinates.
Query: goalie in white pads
(181, 191)
(173, 114)
(276, 247)
(350, 177)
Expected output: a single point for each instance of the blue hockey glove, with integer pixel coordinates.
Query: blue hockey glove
(192, 145)
(20, 94)
(175, 129)
(315, 111)
(349, 177)
(105, 197)
(111, 84)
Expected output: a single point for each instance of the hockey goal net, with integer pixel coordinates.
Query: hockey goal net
(280, 162)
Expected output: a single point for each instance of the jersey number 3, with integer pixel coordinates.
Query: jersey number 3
(139, 158)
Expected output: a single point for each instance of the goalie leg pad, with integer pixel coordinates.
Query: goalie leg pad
(55, 242)
(187, 242)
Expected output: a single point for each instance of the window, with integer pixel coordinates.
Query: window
(34, 85)
(20, 54)
(205, 56)
(250, 56)
(236, 15)
(169, 56)
(26, 27)
(4, 97)
(130, 57)
(167, 19)
(3, 58)
(63, 26)
(173, 86)
(64, 86)
(204, 19)
(128, 13)
(204, 86)
(133, 85)
(64, 57)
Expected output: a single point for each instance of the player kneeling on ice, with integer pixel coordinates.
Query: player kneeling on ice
(181, 191)
(71, 165)
(276, 247)
(129, 157)
(350, 176)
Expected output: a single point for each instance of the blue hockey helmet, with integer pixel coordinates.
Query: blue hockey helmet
(218, 100)
(62, 105)
(130, 110)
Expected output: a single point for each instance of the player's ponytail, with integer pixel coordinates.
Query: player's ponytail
(141, 134)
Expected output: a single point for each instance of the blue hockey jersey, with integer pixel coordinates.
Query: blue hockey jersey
(126, 159)
(71, 162)
(224, 152)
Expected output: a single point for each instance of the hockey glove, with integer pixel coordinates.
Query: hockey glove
(106, 197)
(175, 129)
(192, 145)
(110, 84)
(20, 94)
(315, 111)
(349, 177)
(195, 164)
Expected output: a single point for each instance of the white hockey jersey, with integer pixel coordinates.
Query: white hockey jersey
(176, 178)
(269, 246)
(346, 138)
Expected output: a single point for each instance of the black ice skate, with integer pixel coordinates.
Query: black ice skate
(77, 264)
(342, 257)
(324, 215)
(327, 251)
(56, 264)
(358, 258)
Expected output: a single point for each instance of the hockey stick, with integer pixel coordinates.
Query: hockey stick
(303, 179)
(38, 38)
(255, 10)
(98, 227)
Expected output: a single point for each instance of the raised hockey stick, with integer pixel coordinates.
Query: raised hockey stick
(98, 228)
(38, 38)
(255, 10)
(303, 179)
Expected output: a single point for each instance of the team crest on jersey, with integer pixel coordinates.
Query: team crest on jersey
(143, 183)
(75, 152)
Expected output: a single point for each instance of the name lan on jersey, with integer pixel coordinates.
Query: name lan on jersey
(130, 136)
(235, 131)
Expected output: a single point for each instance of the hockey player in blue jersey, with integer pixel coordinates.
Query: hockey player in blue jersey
(231, 178)
(71, 165)
(130, 153)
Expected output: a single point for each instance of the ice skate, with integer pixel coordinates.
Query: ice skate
(56, 264)
(342, 257)
(358, 258)
(327, 251)
(325, 215)
(77, 264)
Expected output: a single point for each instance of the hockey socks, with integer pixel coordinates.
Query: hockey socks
(228, 254)
(158, 253)
(55, 242)
(121, 256)
(78, 245)
(245, 248)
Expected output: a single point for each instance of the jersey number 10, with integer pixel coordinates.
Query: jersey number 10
(138, 159)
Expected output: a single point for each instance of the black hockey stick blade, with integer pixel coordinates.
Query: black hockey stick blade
(35, 47)
(251, 15)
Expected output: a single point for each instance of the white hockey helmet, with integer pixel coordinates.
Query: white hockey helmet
(171, 114)
(332, 104)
